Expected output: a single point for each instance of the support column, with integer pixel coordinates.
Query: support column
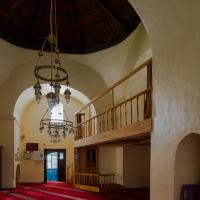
(7, 143)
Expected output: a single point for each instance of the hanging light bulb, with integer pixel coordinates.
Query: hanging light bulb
(37, 87)
(64, 133)
(67, 95)
(51, 99)
(41, 128)
(67, 92)
(57, 90)
(49, 132)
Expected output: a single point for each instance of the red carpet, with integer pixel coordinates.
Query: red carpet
(62, 191)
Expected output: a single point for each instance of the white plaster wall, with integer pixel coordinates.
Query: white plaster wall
(7, 142)
(187, 163)
(136, 166)
(17, 134)
(111, 162)
(119, 165)
(173, 31)
(107, 159)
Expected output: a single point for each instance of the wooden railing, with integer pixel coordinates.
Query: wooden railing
(94, 182)
(132, 110)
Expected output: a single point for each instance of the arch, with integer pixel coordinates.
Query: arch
(187, 163)
(81, 75)
(138, 5)
(18, 174)
(28, 95)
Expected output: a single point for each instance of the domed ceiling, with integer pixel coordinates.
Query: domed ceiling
(84, 26)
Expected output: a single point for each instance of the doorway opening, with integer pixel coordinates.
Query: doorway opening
(55, 165)
(187, 164)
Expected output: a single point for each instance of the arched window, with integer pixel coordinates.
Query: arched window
(57, 113)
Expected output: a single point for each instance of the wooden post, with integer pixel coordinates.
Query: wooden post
(131, 111)
(80, 117)
(148, 101)
(112, 111)
(137, 109)
(0, 165)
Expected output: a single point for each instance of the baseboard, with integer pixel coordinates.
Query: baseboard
(42, 182)
(2, 189)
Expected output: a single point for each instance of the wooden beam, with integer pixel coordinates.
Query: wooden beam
(76, 24)
(11, 12)
(139, 129)
(134, 71)
(116, 19)
(37, 18)
(143, 142)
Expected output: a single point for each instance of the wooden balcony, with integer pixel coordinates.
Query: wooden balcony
(126, 120)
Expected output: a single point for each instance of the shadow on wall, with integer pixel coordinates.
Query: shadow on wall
(187, 163)
(18, 174)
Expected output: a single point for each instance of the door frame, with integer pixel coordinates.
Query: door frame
(46, 152)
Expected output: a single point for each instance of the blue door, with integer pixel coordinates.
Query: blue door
(52, 166)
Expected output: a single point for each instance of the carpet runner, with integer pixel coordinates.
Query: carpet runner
(62, 191)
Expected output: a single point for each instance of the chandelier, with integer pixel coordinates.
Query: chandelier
(56, 128)
(53, 72)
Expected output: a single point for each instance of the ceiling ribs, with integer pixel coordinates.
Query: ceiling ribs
(121, 22)
(11, 12)
(76, 24)
(84, 22)
(37, 19)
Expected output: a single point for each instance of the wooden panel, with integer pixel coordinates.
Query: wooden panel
(94, 182)
(88, 188)
(0, 166)
(137, 129)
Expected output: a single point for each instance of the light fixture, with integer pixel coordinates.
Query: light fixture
(53, 73)
(56, 128)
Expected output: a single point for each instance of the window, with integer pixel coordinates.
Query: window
(52, 160)
(57, 113)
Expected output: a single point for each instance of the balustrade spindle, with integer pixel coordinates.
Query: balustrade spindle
(125, 113)
(131, 111)
(137, 110)
(116, 117)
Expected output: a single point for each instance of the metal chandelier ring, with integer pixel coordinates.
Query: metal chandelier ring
(60, 70)
(58, 124)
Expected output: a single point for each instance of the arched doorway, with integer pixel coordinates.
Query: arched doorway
(28, 114)
(187, 163)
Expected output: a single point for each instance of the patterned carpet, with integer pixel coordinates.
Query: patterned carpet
(62, 191)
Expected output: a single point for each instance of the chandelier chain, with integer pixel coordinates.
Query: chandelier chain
(55, 74)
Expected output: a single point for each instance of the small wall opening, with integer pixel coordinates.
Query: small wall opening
(187, 163)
